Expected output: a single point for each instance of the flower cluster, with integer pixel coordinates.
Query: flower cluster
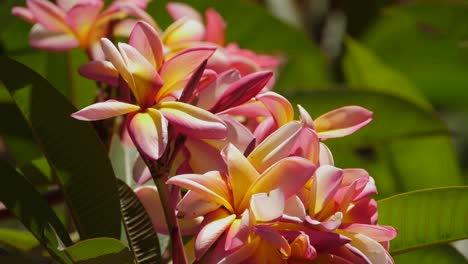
(249, 182)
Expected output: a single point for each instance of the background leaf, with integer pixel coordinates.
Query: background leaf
(426, 217)
(22, 199)
(142, 237)
(363, 70)
(17, 238)
(428, 42)
(444, 254)
(100, 250)
(404, 148)
(72, 148)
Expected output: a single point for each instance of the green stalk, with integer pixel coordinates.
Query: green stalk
(159, 174)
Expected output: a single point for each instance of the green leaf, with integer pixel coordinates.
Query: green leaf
(26, 203)
(363, 70)
(426, 217)
(19, 239)
(20, 144)
(142, 237)
(427, 42)
(444, 254)
(73, 150)
(255, 28)
(404, 147)
(99, 250)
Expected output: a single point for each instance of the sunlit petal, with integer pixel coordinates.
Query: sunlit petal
(241, 173)
(267, 207)
(289, 174)
(327, 180)
(145, 39)
(42, 38)
(101, 71)
(181, 65)
(179, 10)
(48, 15)
(81, 18)
(277, 146)
(193, 121)
(194, 205)
(209, 185)
(342, 121)
(103, 110)
(215, 27)
(212, 231)
(149, 132)
(274, 238)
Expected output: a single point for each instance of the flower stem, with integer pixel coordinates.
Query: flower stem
(159, 175)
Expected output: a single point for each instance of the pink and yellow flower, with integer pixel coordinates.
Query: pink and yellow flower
(141, 66)
(78, 23)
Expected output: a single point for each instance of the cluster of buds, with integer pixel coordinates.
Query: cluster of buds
(248, 182)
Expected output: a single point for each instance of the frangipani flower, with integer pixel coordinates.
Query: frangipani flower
(223, 199)
(189, 30)
(338, 201)
(76, 23)
(151, 80)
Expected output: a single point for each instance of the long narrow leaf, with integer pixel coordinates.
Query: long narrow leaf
(72, 148)
(426, 217)
(26, 203)
(142, 238)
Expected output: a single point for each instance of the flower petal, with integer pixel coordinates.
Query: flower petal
(301, 248)
(210, 95)
(209, 185)
(305, 118)
(148, 132)
(280, 108)
(375, 232)
(149, 197)
(101, 71)
(193, 205)
(141, 173)
(146, 80)
(325, 155)
(325, 184)
(275, 147)
(375, 252)
(179, 10)
(242, 91)
(81, 17)
(237, 134)
(274, 238)
(342, 121)
(294, 207)
(183, 30)
(104, 110)
(181, 65)
(215, 27)
(48, 15)
(193, 121)
(145, 39)
(239, 232)
(24, 14)
(210, 233)
(267, 207)
(241, 173)
(289, 175)
(113, 55)
(200, 152)
(41, 38)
